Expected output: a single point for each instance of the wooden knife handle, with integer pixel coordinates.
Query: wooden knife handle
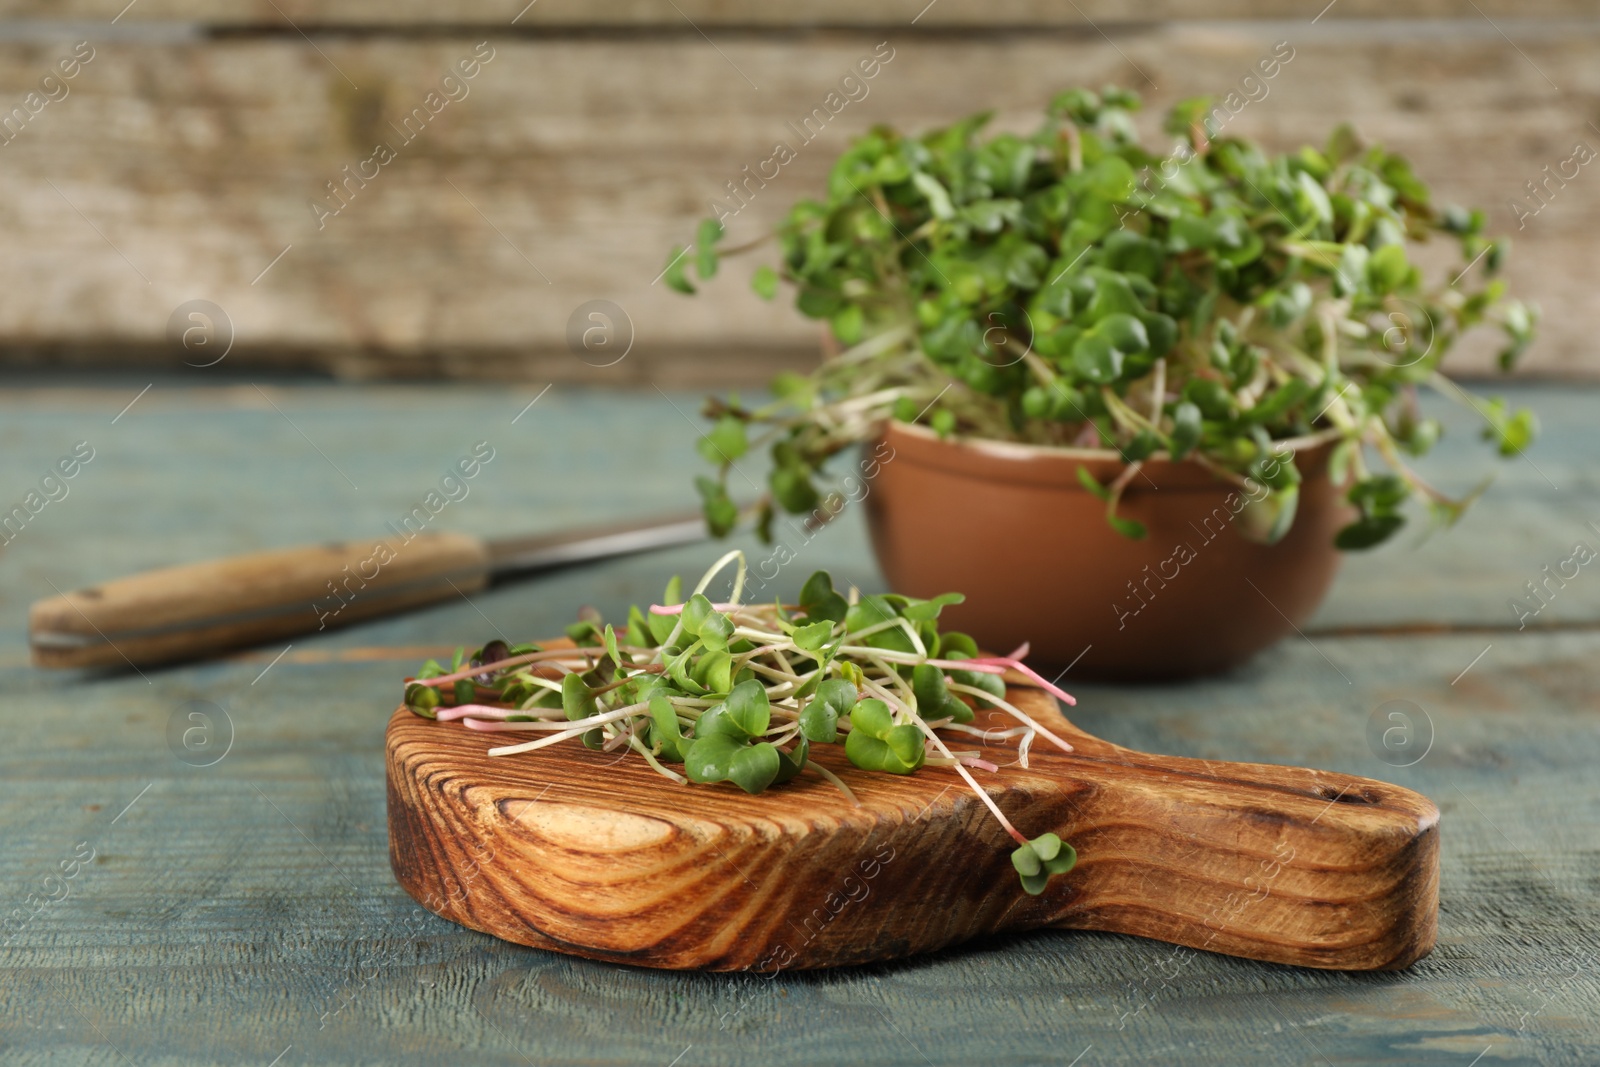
(201, 608)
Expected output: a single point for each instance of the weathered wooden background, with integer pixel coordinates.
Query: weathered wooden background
(182, 160)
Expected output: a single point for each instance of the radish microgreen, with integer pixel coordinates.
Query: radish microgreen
(1071, 288)
(739, 694)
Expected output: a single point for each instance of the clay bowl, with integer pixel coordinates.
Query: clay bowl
(1012, 528)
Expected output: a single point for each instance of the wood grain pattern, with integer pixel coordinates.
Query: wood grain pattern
(178, 612)
(597, 855)
(182, 170)
(684, 14)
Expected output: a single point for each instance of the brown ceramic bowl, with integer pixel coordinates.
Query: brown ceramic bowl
(1012, 528)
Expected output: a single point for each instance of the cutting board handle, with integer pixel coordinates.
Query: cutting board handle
(200, 608)
(1297, 866)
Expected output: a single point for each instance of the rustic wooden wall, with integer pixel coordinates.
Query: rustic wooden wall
(183, 159)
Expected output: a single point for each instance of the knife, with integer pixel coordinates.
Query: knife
(198, 609)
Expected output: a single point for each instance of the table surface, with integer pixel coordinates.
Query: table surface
(244, 911)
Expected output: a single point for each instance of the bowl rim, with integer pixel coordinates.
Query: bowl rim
(1049, 466)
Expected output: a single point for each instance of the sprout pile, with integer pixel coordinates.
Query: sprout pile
(740, 693)
(1205, 299)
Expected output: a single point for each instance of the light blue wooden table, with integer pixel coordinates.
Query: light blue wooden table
(243, 911)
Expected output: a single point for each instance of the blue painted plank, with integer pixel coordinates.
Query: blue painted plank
(244, 910)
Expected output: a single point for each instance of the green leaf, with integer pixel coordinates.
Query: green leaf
(706, 238)
(710, 757)
(847, 323)
(716, 631)
(701, 620)
(582, 632)
(905, 741)
(1388, 268)
(676, 272)
(754, 767)
(1046, 846)
(791, 763)
(1126, 333)
(1211, 397)
(1379, 494)
(992, 684)
(748, 708)
(695, 613)
(722, 515)
(638, 632)
(870, 611)
(661, 627)
(765, 282)
(1367, 532)
(576, 698)
(1312, 199)
(678, 669)
(938, 198)
(1513, 432)
(877, 754)
(928, 610)
(1063, 861)
(1096, 359)
(1041, 859)
(792, 488)
(1132, 529)
(423, 699)
(819, 718)
(812, 636)
(714, 720)
(1185, 429)
(665, 728)
(819, 601)
(724, 442)
(1280, 400)
(934, 699)
(1340, 459)
(1267, 518)
(1089, 483)
(714, 671)
(1143, 445)
(957, 645)
(872, 717)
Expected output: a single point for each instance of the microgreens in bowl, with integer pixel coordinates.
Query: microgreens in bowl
(1214, 302)
(739, 693)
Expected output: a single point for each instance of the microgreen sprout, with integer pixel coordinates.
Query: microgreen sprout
(740, 693)
(1071, 288)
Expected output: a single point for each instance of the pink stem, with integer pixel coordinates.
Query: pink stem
(677, 609)
(482, 711)
(982, 794)
(981, 764)
(514, 661)
(982, 666)
(1018, 665)
(501, 727)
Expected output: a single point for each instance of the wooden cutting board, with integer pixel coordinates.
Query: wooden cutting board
(596, 855)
